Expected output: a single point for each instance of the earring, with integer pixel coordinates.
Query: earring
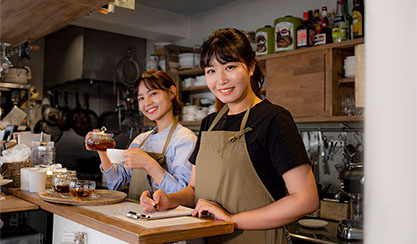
(172, 98)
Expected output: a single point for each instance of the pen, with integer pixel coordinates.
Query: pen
(150, 188)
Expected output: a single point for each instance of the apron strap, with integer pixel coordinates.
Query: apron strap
(146, 138)
(219, 116)
(171, 131)
(226, 108)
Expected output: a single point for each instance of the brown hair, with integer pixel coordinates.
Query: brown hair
(231, 45)
(157, 79)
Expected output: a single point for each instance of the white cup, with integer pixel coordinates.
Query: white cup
(115, 155)
(24, 179)
(37, 180)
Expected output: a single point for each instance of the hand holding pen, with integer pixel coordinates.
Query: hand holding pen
(148, 177)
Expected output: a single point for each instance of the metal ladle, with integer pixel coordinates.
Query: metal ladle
(5, 63)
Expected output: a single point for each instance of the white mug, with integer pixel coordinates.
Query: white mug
(24, 179)
(37, 180)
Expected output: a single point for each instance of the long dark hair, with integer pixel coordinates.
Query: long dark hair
(231, 45)
(157, 79)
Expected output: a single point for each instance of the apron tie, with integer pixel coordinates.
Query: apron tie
(239, 134)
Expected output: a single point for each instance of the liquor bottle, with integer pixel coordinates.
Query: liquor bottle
(310, 17)
(316, 19)
(340, 28)
(305, 33)
(358, 19)
(348, 19)
(324, 35)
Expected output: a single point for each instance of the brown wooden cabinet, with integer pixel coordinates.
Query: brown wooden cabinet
(310, 82)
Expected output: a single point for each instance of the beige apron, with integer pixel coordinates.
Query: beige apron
(138, 181)
(225, 174)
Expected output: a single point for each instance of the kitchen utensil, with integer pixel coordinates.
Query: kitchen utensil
(4, 61)
(18, 75)
(53, 130)
(65, 118)
(128, 70)
(80, 118)
(93, 116)
(51, 113)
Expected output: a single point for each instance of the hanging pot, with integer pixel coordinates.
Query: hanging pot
(65, 118)
(93, 118)
(53, 130)
(80, 118)
(51, 114)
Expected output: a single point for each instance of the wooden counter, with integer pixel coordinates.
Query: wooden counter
(13, 204)
(123, 230)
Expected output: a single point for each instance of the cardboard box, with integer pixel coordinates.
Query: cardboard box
(334, 210)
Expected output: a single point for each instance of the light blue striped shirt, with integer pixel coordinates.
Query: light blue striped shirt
(179, 150)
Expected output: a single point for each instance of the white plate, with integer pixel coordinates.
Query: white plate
(312, 223)
(5, 181)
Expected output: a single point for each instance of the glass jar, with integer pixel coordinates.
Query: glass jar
(46, 155)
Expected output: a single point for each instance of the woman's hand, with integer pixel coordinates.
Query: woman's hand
(160, 199)
(205, 206)
(136, 158)
(88, 137)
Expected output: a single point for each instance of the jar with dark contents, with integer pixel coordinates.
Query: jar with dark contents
(100, 140)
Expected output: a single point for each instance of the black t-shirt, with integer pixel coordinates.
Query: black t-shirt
(274, 144)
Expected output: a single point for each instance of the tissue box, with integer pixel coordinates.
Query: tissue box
(12, 171)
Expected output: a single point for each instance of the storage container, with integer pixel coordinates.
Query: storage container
(285, 33)
(264, 40)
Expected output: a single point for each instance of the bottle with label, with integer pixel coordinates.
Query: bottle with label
(324, 34)
(285, 33)
(305, 33)
(348, 19)
(358, 19)
(316, 19)
(340, 29)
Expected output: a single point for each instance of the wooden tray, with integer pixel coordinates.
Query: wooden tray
(104, 197)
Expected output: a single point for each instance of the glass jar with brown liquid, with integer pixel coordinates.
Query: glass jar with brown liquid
(100, 140)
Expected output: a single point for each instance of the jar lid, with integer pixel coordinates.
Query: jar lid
(46, 148)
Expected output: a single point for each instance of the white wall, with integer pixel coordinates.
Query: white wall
(249, 15)
(391, 123)
(145, 22)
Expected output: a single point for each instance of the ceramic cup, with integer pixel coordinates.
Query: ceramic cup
(24, 179)
(37, 180)
(115, 155)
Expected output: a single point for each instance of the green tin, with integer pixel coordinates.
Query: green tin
(285, 29)
(264, 40)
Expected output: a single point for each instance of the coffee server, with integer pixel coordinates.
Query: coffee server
(352, 181)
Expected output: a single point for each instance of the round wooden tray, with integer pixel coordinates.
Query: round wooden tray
(103, 197)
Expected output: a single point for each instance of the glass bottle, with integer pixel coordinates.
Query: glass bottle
(324, 34)
(316, 19)
(305, 33)
(339, 31)
(358, 19)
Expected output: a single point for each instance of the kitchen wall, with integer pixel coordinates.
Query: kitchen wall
(159, 25)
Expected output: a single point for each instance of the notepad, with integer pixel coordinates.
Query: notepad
(170, 213)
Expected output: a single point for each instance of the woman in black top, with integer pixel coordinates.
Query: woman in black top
(248, 147)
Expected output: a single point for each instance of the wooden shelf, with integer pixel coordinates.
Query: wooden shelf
(328, 119)
(195, 88)
(346, 81)
(190, 72)
(341, 45)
